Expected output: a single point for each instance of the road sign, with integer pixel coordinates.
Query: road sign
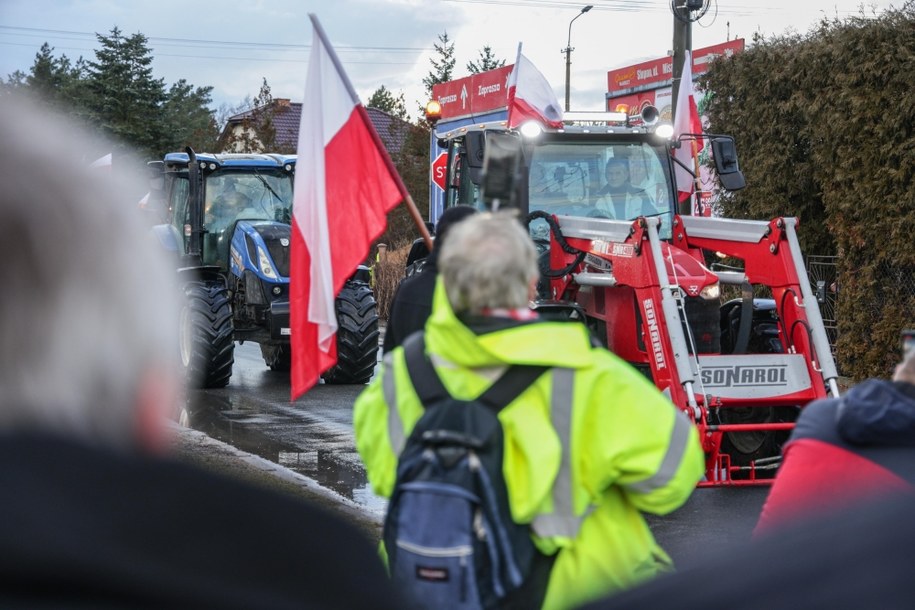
(439, 170)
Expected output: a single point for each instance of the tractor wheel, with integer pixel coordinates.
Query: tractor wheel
(206, 338)
(357, 335)
(745, 447)
(277, 357)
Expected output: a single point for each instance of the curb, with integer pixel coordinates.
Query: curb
(196, 447)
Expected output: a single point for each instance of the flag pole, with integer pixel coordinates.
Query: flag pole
(408, 200)
(697, 184)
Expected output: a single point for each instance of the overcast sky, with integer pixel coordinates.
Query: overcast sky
(232, 45)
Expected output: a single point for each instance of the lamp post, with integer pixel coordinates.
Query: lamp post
(568, 50)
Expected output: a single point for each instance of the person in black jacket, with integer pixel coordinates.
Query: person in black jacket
(94, 512)
(412, 302)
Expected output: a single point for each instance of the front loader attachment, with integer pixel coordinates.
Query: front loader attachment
(659, 306)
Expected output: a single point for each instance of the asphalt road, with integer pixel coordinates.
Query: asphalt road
(307, 446)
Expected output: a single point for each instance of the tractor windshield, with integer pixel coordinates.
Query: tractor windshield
(253, 194)
(250, 195)
(600, 179)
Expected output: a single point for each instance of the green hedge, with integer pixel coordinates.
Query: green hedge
(825, 128)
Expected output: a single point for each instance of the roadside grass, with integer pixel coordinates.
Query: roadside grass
(388, 272)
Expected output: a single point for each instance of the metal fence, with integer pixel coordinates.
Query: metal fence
(824, 281)
(896, 282)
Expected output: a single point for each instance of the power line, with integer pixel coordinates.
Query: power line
(231, 58)
(195, 42)
(628, 6)
(217, 45)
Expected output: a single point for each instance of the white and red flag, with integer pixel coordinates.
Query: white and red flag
(686, 120)
(345, 184)
(530, 96)
(102, 163)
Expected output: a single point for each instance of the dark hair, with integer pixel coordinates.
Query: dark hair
(613, 161)
(450, 217)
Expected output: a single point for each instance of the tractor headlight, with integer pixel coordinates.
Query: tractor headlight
(531, 129)
(712, 291)
(264, 263)
(664, 130)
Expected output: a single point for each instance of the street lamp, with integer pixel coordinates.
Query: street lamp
(568, 50)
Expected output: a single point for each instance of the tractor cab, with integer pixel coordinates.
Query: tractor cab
(235, 188)
(598, 165)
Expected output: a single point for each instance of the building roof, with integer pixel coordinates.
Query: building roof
(288, 116)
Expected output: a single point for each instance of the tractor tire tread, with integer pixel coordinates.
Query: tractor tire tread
(212, 335)
(357, 335)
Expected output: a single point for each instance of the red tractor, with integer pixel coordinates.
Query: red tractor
(718, 313)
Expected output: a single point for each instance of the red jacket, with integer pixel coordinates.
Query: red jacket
(845, 450)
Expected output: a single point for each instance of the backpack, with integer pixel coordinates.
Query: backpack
(449, 535)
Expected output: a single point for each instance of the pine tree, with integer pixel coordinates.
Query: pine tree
(45, 79)
(15, 81)
(126, 100)
(487, 61)
(50, 79)
(188, 119)
(443, 68)
(383, 99)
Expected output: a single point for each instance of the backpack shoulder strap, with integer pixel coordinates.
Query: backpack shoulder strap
(429, 386)
(423, 375)
(510, 385)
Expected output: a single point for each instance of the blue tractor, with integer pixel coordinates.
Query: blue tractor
(229, 225)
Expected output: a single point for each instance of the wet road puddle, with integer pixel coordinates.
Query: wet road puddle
(330, 460)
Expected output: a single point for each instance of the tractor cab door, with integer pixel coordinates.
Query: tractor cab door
(177, 197)
(464, 177)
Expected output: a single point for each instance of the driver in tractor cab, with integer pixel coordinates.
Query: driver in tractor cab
(221, 213)
(628, 194)
(618, 198)
(226, 206)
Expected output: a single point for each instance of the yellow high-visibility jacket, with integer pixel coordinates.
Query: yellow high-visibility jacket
(587, 447)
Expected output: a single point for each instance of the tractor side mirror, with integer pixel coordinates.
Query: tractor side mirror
(501, 162)
(474, 153)
(724, 152)
(156, 175)
(153, 204)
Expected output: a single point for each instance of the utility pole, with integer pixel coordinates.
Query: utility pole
(568, 51)
(683, 42)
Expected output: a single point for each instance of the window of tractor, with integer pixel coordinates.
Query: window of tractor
(621, 181)
(249, 195)
(178, 204)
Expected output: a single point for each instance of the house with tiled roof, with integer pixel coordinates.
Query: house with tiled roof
(287, 116)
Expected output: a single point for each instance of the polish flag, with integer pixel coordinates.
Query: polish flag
(103, 163)
(345, 184)
(530, 96)
(687, 120)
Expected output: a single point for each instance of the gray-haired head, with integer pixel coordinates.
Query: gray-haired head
(89, 311)
(489, 261)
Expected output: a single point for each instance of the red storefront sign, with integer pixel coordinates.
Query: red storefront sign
(658, 73)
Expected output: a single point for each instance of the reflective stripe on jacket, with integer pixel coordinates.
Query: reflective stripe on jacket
(587, 447)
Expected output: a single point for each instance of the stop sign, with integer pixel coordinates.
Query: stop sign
(439, 170)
